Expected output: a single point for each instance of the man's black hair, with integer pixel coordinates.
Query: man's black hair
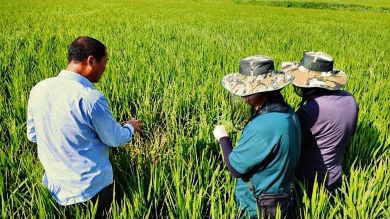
(85, 46)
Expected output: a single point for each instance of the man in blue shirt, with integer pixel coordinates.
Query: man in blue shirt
(266, 155)
(73, 127)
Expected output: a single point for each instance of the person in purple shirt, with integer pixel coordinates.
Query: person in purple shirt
(74, 128)
(328, 118)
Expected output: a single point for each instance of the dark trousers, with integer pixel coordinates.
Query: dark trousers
(104, 199)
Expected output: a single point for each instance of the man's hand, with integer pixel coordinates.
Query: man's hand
(220, 132)
(137, 125)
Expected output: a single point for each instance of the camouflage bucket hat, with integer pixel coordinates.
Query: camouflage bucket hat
(257, 74)
(316, 70)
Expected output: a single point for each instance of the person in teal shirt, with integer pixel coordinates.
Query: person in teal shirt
(268, 151)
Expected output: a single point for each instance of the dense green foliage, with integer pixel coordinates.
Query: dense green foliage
(166, 62)
(342, 4)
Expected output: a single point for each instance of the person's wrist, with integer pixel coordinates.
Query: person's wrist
(220, 136)
(129, 126)
(223, 138)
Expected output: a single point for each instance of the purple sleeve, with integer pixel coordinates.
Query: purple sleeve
(356, 120)
(227, 148)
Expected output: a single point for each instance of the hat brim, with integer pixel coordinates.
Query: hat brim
(243, 85)
(303, 77)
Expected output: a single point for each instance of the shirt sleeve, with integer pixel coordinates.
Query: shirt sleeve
(227, 149)
(356, 119)
(251, 150)
(110, 132)
(31, 135)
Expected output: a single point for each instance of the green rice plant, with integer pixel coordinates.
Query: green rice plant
(166, 62)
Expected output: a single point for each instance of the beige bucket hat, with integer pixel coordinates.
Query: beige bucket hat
(257, 74)
(316, 70)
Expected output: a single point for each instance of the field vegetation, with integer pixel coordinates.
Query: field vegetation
(166, 62)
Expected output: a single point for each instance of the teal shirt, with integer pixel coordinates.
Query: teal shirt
(271, 142)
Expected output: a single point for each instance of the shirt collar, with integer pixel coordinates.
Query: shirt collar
(76, 77)
(278, 105)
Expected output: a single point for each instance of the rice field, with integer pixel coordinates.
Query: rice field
(166, 62)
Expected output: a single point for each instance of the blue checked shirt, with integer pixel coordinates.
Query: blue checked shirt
(73, 127)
